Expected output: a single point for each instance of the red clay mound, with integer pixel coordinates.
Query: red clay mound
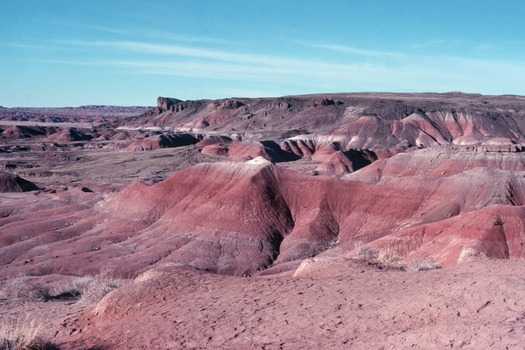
(337, 164)
(237, 218)
(340, 163)
(70, 135)
(215, 150)
(12, 183)
(438, 162)
(23, 132)
(220, 226)
(269, 150)
(300, 147)
(247, 150)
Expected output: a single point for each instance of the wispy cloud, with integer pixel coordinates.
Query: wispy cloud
(234, 63)
(429, 44)
(387, 71)
(355, 51)
(145, 32)
(25, 46)
(157, 35)
(179, 50)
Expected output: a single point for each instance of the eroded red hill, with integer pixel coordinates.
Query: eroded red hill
(239, 218)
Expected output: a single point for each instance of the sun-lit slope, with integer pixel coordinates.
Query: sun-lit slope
(241, 217)
(37, 231)
(238, 218)
(437, 162)
(228, 218)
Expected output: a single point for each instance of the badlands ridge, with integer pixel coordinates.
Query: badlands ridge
(260, 187)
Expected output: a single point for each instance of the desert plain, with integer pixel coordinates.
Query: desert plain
(352, 221)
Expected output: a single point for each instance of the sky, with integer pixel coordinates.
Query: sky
(83, 52)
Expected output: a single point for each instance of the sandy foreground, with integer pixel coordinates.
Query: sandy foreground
(326, 303)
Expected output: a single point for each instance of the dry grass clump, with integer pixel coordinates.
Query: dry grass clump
(385, 258)
(422, 265)
(94, 288)
(388, 258)
(468, 253)
(23, 289)
(86, 289)
(25, 335)
(363, 251)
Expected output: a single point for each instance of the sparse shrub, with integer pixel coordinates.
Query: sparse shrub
(94, 288)
(422, 265)
(71, 289)
(25, 335)
(388, 256)
(21, 288)
(363, 250)
(88, 289)
(467, 253)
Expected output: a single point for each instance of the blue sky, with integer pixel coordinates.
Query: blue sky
(69, 53)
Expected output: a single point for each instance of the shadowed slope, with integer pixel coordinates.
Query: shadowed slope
(12, 183)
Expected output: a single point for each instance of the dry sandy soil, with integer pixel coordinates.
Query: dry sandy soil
(329, 304)
(363, 221)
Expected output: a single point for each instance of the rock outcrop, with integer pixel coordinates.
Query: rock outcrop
(165, 104)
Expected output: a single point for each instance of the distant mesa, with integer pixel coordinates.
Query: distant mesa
(166, 103)
(84, 114)
(13, 183)
(359, 121)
